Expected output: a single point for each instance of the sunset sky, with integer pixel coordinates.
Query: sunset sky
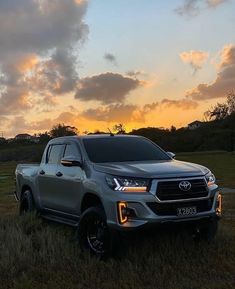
(96, 63)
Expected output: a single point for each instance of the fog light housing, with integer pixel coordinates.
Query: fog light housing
(122, 212)
(219, 205)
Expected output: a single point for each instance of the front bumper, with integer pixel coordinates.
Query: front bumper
(146, 216)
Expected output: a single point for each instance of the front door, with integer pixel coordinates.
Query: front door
(47, 179)
(69, 182)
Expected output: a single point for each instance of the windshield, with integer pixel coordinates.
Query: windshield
(122, 149)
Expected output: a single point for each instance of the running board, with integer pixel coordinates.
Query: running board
(60, 219)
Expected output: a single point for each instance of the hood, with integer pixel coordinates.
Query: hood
(153, 169)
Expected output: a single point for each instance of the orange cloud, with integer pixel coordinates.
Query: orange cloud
(195, 58)
(224, 82)
(133, 113)
(79, 2)
(215, 3)
(27, 62)
(227, 55)
(183, 103)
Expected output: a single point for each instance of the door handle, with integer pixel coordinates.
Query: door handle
(59, 174)
(42, 172)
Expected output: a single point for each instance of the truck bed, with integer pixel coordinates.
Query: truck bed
(25, 172)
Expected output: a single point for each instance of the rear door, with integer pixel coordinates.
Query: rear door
(47, 178)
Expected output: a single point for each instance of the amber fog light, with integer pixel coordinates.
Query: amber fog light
(122, 212)
(219, 205)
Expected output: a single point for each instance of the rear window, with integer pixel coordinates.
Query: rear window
(122, 149)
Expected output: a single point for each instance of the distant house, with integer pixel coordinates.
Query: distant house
(195, 124)
(23, 136)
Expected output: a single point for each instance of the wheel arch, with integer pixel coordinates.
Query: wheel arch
(90, 200)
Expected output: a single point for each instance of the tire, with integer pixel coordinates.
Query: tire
(207, 231)
(93, 233)
(26, 203)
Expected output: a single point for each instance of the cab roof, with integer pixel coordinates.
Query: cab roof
(91, 136)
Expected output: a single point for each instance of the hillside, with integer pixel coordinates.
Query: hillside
(213, 135)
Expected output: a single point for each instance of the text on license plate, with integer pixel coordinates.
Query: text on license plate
(187, 211)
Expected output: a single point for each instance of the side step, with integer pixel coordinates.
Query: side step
(59, 219)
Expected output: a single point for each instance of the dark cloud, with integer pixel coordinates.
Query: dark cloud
(224, 82)
(110, 58)
(113, 112)
(36, 40)
(40, 25)
(192, 8)
(55, 76)
(14, 99)
(136, 73)
(189, 8)
(106, 87)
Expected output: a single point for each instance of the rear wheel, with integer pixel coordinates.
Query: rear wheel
(26, 203)
(94, 234)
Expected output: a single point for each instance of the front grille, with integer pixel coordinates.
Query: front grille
(169, 190)
(170, 209)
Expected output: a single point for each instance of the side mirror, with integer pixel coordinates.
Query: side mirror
(71, 161)
(171, 155)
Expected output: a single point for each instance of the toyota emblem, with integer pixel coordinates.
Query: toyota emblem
(185, 186)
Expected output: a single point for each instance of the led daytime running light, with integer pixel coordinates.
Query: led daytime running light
(127, 188)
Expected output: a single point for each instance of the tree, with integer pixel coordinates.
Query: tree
(222, 110)
(119, 128)
(3, 141)
(218, 112)
(44, 137)
(173, 129)
(63, 130)
(231, 101)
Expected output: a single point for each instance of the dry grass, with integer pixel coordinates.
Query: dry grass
(38, 254)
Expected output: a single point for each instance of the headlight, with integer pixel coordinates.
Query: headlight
(128, 184)
(210, 178)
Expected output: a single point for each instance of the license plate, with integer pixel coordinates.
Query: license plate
(187, 211)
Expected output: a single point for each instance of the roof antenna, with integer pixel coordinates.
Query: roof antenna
(111, 134)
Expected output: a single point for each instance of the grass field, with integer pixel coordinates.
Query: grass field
(38, 254)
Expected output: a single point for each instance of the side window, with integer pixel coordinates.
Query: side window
(54, 153)
(71, 150)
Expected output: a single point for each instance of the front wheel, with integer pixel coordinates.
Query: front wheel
(94, 234)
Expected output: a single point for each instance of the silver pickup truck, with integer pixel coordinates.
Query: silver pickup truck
(104, 184)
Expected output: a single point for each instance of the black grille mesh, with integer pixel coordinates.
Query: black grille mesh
(169, 190)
